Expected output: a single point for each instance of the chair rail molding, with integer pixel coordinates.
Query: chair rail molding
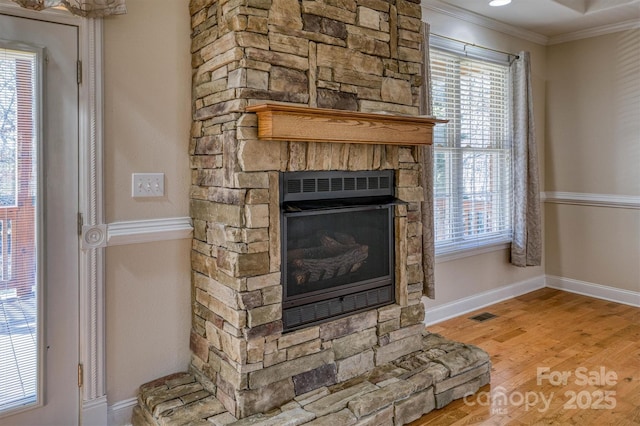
(148, 230)
(596, 200)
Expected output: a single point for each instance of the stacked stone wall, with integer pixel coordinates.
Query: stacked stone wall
(346, 54)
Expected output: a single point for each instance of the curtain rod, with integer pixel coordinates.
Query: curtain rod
(478, 46)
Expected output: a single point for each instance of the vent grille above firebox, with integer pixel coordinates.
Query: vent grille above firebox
(336, 184)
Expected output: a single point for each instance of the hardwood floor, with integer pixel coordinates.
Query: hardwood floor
(535, 339)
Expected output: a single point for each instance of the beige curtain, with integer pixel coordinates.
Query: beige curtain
(85, 8)
(426, 177)
(526, 246)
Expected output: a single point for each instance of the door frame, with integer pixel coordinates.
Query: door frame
(92, 231)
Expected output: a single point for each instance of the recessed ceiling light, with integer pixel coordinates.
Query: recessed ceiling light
(499, 2)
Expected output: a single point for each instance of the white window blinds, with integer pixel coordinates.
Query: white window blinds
(472, 153)
(19, 325)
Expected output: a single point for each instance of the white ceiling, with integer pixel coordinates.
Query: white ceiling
(553, 18)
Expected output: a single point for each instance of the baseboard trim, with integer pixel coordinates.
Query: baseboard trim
(119, 414)
(478, 301)
(626, 297)
(147, 231)
(94, 412)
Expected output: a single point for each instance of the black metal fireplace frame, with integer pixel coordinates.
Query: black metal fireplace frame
(318, 193)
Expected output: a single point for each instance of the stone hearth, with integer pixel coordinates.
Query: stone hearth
(395, 393)
(361, 55)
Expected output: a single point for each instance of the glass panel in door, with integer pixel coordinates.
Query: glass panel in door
(19, 324)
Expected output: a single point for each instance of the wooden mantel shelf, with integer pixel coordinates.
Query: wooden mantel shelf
(305, 124)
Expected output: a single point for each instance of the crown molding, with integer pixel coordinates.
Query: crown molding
(492, 24)
(483, 21)
(594, 32)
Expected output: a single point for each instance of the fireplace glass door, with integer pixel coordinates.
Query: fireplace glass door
(337, 253)
(334, 249)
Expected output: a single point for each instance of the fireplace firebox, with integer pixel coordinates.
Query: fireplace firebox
(337, 244)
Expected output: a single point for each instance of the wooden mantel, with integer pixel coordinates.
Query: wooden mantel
(294, 123)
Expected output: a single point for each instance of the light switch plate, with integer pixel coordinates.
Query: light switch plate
(147, 185)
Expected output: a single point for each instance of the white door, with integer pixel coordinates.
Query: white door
(38, 216)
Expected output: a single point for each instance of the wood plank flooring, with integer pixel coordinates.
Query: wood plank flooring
(535, 339)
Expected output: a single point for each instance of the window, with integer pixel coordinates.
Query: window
(19, 312)
(472, 153)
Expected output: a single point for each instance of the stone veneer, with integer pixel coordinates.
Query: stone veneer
(346, 54)
(394, 393)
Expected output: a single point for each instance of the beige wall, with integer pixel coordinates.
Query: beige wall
(593, 147)
(460, 278)
(147, 68)
(148, 295)
(147, 87)
(593, 110)
(597, 245)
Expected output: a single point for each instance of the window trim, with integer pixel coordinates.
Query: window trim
(501, 241)
(473, 251)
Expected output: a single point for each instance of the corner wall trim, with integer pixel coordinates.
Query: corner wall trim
(146, 231)
(478, 301)
(626, 297)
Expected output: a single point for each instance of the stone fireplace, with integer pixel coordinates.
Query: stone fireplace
(346, 54)
(358, 55)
